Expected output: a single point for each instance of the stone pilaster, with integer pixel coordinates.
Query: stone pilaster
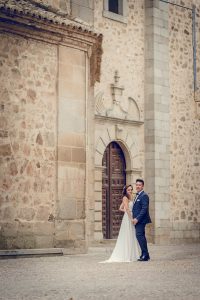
(157, 127)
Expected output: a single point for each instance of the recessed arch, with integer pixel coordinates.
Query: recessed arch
(113, 181)
(130, 149)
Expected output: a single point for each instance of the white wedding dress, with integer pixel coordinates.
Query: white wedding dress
(126, 248)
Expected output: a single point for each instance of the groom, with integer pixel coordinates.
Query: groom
(141, 217)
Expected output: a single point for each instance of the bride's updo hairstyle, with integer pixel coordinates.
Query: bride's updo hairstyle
(124, 192)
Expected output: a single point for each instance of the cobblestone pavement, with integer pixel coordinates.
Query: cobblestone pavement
(172, 273)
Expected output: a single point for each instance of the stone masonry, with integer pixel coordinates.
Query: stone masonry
(157, 125)
(76, 77)
(45, 80)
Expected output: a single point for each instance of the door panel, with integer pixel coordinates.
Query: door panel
(114, 179)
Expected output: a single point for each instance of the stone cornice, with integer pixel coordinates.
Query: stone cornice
(117, 120)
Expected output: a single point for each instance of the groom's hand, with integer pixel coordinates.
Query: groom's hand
(135, 221)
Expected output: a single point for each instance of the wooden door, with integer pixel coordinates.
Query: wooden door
(114, 179)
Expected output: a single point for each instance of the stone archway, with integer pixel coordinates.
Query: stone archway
(131, 153)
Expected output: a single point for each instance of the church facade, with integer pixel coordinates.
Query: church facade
(95, 94)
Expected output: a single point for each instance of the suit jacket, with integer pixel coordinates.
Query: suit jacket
(140, 209)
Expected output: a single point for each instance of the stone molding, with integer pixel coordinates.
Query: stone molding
(125, 141)
(116, 110)
(117, 120)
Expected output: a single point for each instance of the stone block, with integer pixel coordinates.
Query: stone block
(62, 235)
(162, 210)
(44, 241)
(98, 175)
(187, 234)
(80, 209)
(98, 196)
(9, 229)
(98, 216)
(77, 230)
(70, 91)
(98, 226)
(5, 150)
(67, 244)
(98, 206)
(73, 182)
(66, 208)
(25, 228)
(61, 225)
(26, 213)
(43, 213)
(71, 139)
(75, 121)
(98, 235)
(177, 234)
(195, 234)
(98, 159)
(22, 242)
(78, 155)
(98, 186)
(43, 228)
(71, 56)
(8, 213)
(64, 154)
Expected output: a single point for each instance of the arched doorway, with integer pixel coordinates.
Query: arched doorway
(114, 179)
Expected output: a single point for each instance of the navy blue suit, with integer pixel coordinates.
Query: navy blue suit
(140, 211)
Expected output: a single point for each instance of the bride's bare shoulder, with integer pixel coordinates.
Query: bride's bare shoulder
(125, 199)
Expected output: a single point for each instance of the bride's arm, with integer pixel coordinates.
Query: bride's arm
(121, 208)
(126, 207)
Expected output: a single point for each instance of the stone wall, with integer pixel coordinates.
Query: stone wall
(123, 50)
(119, 96)
(185, 134)
(54, 130)
(28, 142)
(172, 144)
(47, 136)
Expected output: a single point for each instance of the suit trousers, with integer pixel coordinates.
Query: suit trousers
(140, 234)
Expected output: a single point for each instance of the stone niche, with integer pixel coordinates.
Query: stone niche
(45, 82)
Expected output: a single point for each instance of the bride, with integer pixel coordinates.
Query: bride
(126, 248)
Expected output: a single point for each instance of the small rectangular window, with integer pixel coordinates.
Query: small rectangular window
(116, 10)
(113, 6)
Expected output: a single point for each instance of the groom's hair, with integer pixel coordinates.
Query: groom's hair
(140, 180)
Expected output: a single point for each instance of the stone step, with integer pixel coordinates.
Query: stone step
(30, 252)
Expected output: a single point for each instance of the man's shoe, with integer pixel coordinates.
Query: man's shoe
(144, 258)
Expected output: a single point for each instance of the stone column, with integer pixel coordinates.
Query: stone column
(71, 179)
(98, 235)
(157, 122)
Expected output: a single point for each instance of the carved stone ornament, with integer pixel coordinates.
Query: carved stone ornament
(117, 110)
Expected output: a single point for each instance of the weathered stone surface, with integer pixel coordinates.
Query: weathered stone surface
(77, 230)
(5, 150)
(52, 145)
(67, 208)
(184, 133)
